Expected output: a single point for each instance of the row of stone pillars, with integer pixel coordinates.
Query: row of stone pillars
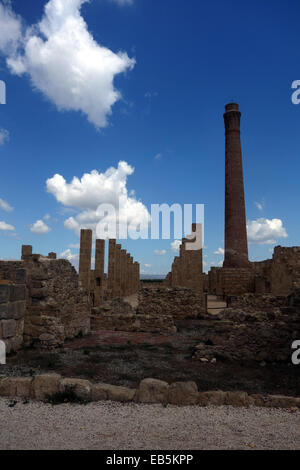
(123, 277)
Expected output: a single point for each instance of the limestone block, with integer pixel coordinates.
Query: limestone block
(45, 384)
(16, 310)
(82, 388)
(17, 292)
(183, 393)
(8, 328)
(237, 399)
(211, 398)
(153, 391)
(16, 387)
(24, 387)
(4, 312)
(103, 391)
(8, 387)
(281, 401)
(4, 293)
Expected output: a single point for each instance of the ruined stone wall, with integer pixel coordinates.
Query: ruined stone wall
(278, 276)
(159, 309)
(57, 308)
(257, 302)
(179, 302)
(235, 281)
(285, 270)
(12, 304)
(187, 268)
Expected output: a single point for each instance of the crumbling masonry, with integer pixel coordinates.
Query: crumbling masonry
(122, 279)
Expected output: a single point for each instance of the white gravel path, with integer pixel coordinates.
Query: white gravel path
(114, 426)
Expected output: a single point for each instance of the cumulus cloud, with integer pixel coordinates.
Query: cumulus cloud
(5, 206)
(63, 61)
(147, 266)
(160, 252)
(40, 228)
(264, 231)
(95, 189)
(10, 29)
(175, 245)
(6, 227)
(67, 254)
(220, 251)
(4, 136)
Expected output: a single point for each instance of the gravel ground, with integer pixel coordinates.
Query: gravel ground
(114, 426)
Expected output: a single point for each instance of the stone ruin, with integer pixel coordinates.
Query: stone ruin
(187, 269)
(41, 302)
(122, 279)
(44, 302)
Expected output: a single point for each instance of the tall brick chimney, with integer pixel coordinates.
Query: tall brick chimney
(236, 245)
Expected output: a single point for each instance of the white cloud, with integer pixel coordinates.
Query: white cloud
(220, 251)
(147, 266)
(47, 217)
(160, 252)
(158, 156)
(5, 206)
(10, 29)
(97, 188)
(175, 245)
(4, 226)
(67, 254)
(40, 228)
(259, 206)
(4, 134)
(63, 61)
(264, 231)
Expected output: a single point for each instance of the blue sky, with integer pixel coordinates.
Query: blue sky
(157, 106)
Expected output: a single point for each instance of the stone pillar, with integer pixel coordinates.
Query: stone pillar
(52, 255)
(99, 272)
(117, 286)
(26, 251)
(123, 272)
(127, 281)
(136, 277)
(236, 245)
(85, 258)
(175, 274)
(111, 268)
(131, 277)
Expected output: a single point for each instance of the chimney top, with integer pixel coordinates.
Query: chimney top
(231, 107)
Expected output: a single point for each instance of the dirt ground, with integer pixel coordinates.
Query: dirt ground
(121, 358)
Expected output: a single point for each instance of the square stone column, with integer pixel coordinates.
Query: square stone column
(99, 272)
(136, 277)
(123, 272)
(111, 268)
(26, 251)
(85, 258)
(117, 285)
(127, 281)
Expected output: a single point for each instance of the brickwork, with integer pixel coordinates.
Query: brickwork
(236, 246)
